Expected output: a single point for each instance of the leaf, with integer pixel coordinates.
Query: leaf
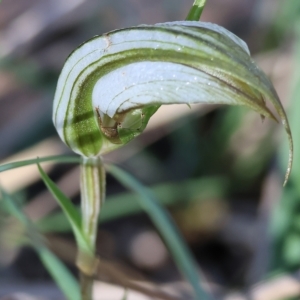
(70, 211)
(127, 204)
(62, 276)
(56, 158)
(64, 279)
(167, 228)
(112, 84)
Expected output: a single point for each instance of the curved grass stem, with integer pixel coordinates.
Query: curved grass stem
(92, 185)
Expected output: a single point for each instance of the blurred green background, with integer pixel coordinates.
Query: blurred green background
(219, 170)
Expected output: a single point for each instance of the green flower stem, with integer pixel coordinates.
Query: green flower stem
(92, 184)
(196, 10)
(86, 285)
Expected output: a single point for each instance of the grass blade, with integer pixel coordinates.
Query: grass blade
(63, 278)
(61, 275)
(127, 203)
(167, 228)
(70, 211)
(55, 158)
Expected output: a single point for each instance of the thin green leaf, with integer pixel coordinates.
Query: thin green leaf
(63, 278)
(167, 228)
(70, 211)
(56, 158)
(196, 10)
(12, 208)
(127, 204)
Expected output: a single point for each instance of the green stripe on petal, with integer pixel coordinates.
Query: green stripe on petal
(111, 85)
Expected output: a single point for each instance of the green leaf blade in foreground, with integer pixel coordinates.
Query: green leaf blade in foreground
(23, 163)
(70, 211)
(67, 283)
(167, 228)
(112, 84)
(60, 274)
(127, 203)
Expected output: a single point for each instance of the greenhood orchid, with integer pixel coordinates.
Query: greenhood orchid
(112, 84)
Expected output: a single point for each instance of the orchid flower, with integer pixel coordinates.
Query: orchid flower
(112, 84)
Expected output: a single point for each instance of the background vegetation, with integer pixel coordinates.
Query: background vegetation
(218, 170)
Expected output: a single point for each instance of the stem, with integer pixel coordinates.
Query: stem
(92, 184)
(86, 286)
(196, 10)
